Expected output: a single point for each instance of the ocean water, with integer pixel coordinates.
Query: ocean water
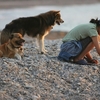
(72, 15)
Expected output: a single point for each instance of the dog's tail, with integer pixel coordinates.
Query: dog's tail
(4, 36)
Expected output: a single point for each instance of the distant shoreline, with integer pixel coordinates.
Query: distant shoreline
(8, 4)
(52, 35)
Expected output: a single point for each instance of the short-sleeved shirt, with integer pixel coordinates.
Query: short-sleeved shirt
(81, 32)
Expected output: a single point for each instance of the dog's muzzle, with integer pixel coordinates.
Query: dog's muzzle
(23, 40)
(20, 42)
(59, 21)
(62, 21)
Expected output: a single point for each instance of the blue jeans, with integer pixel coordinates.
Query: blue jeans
(73, 48)
(69, 49)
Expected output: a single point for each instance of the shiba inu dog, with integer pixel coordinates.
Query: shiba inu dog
(12, 48)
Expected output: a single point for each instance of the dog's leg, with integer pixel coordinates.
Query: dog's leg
(1, 53)
(43, 37)
(41, 44)
(37, 42)
(21, 51)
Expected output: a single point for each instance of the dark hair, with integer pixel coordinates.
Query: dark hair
(95, 21)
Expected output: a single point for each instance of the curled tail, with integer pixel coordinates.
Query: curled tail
(4, 36)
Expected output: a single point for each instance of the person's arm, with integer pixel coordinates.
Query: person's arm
(89, 56)
(96, 44)
(90, 59)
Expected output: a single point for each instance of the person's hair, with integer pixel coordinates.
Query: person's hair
(95, 21)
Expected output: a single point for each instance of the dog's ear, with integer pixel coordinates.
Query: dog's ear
(57, 12)
(11, 36)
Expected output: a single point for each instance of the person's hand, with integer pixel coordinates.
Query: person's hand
(91, 60)
(94, 61)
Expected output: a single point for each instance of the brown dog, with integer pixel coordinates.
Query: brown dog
(13, 48)
(37, 26)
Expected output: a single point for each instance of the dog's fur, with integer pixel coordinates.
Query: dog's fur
(38, 26)
(12, 48)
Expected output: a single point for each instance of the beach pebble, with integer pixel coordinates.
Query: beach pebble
(44, 77)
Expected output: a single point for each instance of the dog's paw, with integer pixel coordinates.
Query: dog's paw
(44, 52)
(41, 52)
(18, 56)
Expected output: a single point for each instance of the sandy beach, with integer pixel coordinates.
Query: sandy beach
(44, 77)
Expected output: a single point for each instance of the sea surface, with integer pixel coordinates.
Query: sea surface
(72, 15)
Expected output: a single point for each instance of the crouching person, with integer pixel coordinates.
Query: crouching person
(78, 43)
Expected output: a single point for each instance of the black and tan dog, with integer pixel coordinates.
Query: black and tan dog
(38, 26)
(12, 48)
